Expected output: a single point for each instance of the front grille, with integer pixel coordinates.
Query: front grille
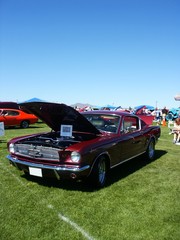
(32, 151)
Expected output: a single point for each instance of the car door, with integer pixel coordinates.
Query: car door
(130, 142)
(132, 127)
(10, 117)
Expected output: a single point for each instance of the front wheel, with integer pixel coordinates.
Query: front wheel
(99, 173)
(150, 152)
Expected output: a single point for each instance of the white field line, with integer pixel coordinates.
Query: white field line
(62, 217)
(73, 224)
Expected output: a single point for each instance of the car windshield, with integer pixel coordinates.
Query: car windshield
(104, 122)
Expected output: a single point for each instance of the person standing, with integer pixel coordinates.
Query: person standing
(176, 130)
(164, 113)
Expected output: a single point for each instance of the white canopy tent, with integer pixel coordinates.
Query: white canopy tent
(177, 97)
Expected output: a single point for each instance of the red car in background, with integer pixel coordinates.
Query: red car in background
(16, 117)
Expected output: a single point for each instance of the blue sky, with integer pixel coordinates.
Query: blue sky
(120, 52)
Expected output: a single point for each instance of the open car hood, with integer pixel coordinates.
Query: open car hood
(55, 114)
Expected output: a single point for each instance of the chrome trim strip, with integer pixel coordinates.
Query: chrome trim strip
(54, 168)
(126, 160)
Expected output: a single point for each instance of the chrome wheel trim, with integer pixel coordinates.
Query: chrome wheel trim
(151, 150)
(102, 171)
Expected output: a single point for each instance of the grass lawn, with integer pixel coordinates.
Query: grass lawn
(140, 201)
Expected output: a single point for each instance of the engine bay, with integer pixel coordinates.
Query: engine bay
(54, 140)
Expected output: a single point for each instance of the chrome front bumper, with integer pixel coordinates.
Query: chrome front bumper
(58, 170)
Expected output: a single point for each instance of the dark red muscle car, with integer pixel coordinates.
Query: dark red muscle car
(81, 145)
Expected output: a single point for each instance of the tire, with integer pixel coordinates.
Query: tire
(99, 173)
(26, 174)
(24, 124)
(150, 152)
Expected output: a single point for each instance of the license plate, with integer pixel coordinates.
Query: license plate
(35, 171)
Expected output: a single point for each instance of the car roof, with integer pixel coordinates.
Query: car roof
(9, 109)
(17, 110)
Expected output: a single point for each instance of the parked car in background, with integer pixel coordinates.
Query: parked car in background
(81, 145)
(145, 113)
(173, 114)
(16, 117)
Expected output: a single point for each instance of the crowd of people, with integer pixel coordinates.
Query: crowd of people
(160, 114)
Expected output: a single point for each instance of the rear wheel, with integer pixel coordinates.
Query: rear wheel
(150, 152)
(24, 124)
(99, 173)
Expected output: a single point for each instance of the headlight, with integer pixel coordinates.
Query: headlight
(11, 148)
(75, 156)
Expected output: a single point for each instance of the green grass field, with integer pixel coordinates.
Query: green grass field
(140, 201)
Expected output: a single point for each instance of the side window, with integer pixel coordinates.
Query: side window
(130, 124)
(12, 113)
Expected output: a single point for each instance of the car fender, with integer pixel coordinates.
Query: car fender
(152, 138)
(107, 156)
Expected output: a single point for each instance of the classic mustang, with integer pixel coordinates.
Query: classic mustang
(81, 145)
